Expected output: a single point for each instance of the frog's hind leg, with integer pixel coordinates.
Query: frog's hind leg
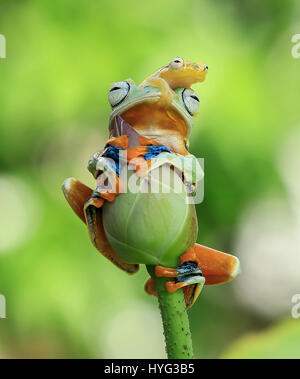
(199, 265)
(217, 267)
(166, 96)
(187, 277)
(80, 197)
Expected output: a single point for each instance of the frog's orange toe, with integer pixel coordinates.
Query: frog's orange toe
(217, 267)
(173, 286)
(165, 272)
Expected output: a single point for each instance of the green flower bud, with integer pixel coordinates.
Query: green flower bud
(152, 224)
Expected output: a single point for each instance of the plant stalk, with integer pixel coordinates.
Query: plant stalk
(175, 320)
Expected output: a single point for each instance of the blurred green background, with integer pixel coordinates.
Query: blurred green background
(63, 298)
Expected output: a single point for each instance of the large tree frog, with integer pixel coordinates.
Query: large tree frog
(152, 123)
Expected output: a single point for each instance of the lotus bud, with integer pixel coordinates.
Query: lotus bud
(152, 222)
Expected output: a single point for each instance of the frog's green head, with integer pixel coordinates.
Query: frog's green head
(141, 107)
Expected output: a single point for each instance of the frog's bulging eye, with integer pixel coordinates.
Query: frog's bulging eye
(190, 101)
(176, 63)
(118, 92)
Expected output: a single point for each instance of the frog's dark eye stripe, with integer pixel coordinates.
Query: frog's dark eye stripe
(190, 101)
(118, 92)
(114, 89)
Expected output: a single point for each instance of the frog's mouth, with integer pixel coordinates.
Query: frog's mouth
(148, 117)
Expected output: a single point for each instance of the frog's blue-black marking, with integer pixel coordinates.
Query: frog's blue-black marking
(187, 270)
(154, 150)
(114, 89)
(187, 267)
(113, 152)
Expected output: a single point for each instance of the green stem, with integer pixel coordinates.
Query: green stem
(175, 320)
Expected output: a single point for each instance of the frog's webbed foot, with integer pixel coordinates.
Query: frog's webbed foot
(87, 205)
(166, 96)
(76, 194)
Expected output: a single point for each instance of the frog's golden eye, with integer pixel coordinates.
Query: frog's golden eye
(176, 63)
(118, 92)
(190, 101)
